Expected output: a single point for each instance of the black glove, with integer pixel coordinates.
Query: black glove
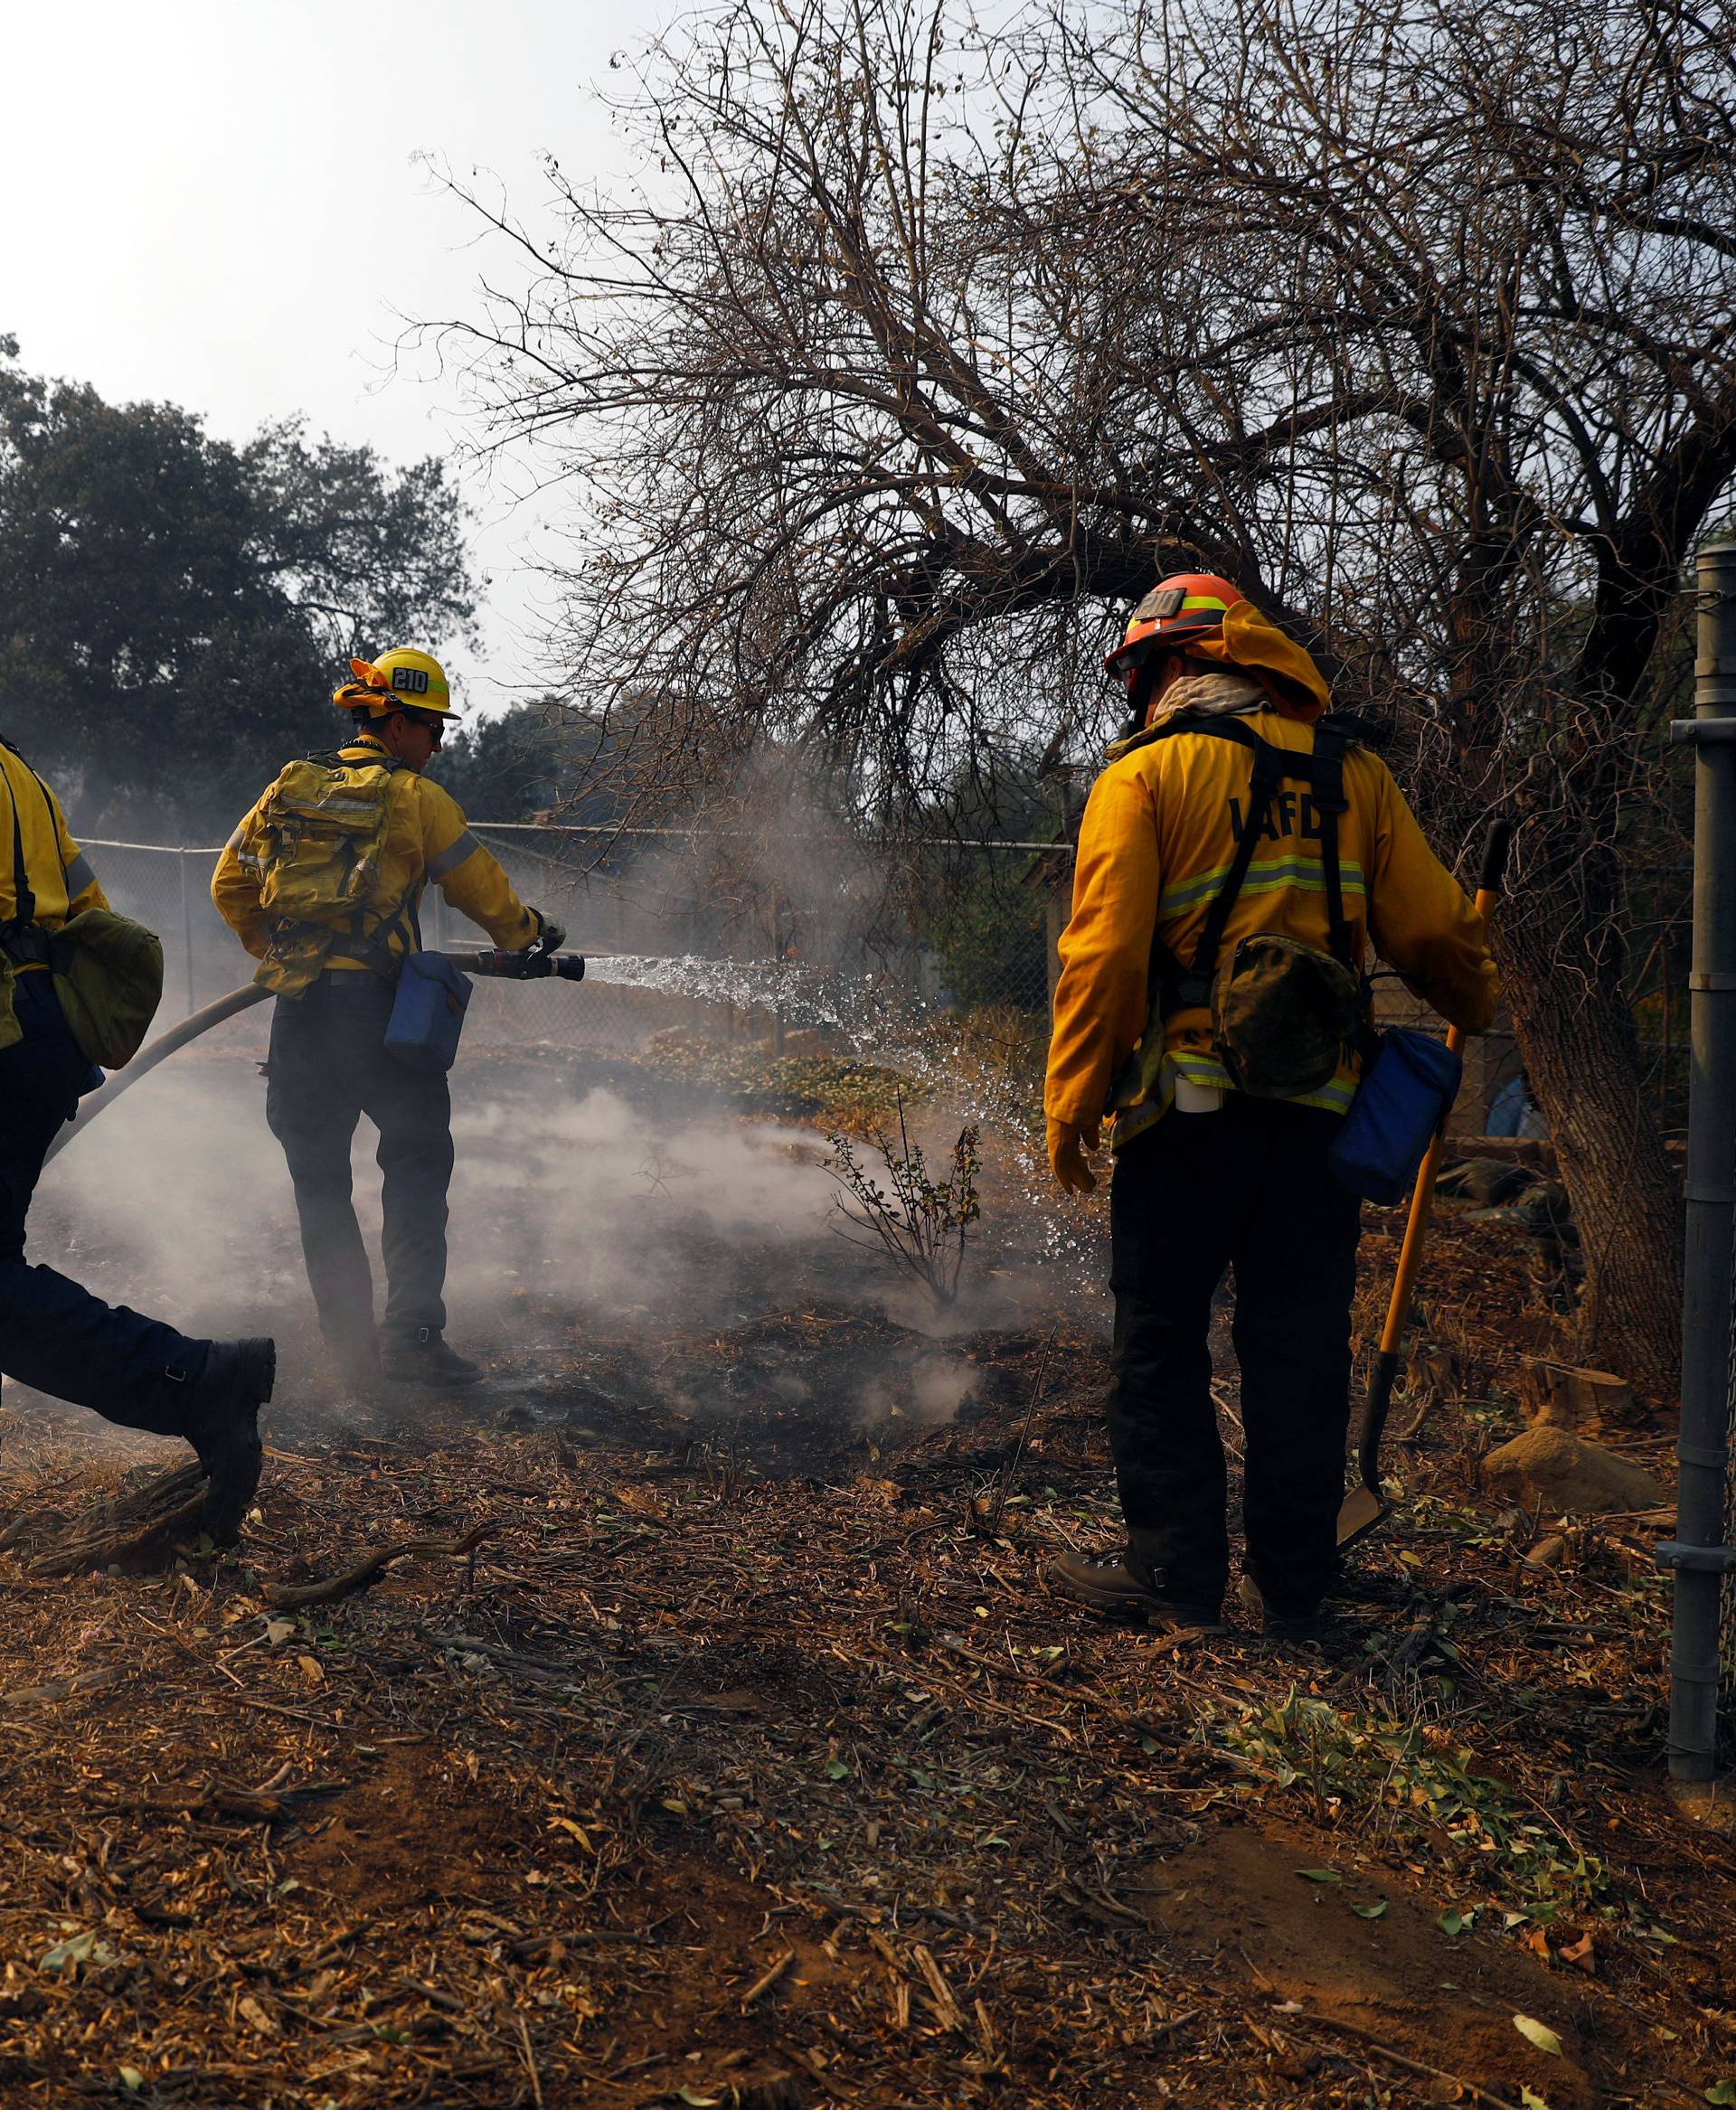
(550, 936)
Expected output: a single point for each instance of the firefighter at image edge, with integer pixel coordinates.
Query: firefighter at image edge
(54, 1335)
(333, 966)
(1207, 1176)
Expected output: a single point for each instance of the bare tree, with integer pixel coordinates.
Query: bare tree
(1499, 277)
(921, 349)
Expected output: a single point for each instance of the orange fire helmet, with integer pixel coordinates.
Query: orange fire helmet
(1184, 606)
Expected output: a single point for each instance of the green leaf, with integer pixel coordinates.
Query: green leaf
(1538, 2033)
(836, 1769)
(79, 1948)
(1722, 2092)
(1369, 1911)
(1320, 1875)
(698, 2101)
(131, 2079)
(1530, 2100)
(1453, 1923)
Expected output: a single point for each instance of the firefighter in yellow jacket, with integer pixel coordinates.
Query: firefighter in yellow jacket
(1224, 816)
(321, 882)
(53, 1333)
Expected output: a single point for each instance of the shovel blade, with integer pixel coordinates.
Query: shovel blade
(1359, 1513)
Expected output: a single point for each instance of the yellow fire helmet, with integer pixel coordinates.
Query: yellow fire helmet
(403, 679)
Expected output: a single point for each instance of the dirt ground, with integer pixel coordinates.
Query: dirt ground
(743, 1761)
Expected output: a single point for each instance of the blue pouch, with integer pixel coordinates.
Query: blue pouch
(1405, 1094)
(427, 1013)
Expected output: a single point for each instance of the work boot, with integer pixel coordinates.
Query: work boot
(1300, 1629)
(424, 1358)
(224, 1427)
(1121, 1583)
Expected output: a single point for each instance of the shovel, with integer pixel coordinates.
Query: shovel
(1365, 1507)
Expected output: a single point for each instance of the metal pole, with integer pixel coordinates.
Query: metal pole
(186, 929)
(1698, 1555)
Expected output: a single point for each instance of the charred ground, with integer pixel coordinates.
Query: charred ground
(745, 1761)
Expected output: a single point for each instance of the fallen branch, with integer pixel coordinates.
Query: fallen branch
(767, 1979)
(946, 2005)
(1399, 2058)
(140, 1527)
(65, 1688)
(292, 1596)
(1081, 1694)
(541, 1670)
(255, 1805)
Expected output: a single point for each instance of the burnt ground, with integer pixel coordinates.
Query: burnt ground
(744, 1761)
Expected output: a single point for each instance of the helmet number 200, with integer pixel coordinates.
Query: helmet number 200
(413, 680)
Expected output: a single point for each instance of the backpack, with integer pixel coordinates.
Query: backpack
(318, 846)
(1283, 1012)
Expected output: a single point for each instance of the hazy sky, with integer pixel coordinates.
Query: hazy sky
(217, 203)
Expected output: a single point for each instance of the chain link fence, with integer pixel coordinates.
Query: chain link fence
(758, 949)
(890, 932)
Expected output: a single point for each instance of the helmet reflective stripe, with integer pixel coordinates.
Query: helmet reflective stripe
(1184, 606)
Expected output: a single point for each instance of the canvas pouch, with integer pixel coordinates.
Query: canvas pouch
(1283, 1014)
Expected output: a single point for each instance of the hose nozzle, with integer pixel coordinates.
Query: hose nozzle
(530, 965)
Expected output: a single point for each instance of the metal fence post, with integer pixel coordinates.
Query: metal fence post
(1699, 1555)
(186, 931)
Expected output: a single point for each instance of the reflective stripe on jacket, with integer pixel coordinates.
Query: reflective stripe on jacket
(427, 839)
(56, 871)
(1160, 829)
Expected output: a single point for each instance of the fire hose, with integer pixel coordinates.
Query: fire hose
(533, 965)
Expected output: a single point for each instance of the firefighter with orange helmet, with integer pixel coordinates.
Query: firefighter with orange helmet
(321, 882)
(1235, 807)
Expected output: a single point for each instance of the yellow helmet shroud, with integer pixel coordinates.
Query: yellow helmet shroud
(403, 679)
(1283, 668)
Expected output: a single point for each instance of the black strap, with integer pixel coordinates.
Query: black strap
(375, 948)
(1323, 771)
(1267, 774)
(24, 901)
(1327, 790)
(340, 758)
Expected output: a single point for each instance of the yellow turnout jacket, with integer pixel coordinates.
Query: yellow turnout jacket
(426, 838)
(56, 871)
(1159, 831)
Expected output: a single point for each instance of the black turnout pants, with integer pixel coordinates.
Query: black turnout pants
(54, 1335)
(1248, 1188)
(328, 1066)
